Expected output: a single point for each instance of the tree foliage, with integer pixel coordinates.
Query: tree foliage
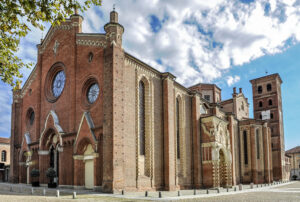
(16, 16)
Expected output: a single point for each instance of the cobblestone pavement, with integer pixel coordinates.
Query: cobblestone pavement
(282, 192)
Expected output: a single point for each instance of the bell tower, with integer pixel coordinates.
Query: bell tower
(267, 105)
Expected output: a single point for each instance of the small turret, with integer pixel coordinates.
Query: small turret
(114, 30)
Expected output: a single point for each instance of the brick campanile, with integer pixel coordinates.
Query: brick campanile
(267, 96)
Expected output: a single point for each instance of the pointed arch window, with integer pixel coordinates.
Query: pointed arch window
(245, 147)
(177, 128)
(142, 117)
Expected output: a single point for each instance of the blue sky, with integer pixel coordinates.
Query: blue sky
(227, 42)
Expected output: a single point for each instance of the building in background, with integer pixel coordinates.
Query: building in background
(5, 158)
(294, 154)
(105, 120)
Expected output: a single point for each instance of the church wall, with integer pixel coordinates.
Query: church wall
(87, 72)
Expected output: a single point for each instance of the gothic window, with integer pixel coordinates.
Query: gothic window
(177, 128)
(257, 143)
(3, 156)
(30, 117)
(269, 87)
(259, 89)
(142, 117)
(272, 115)
(245, 147)
(270, 102)
(260, 104)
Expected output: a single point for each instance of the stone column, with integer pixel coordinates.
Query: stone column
(169, 132)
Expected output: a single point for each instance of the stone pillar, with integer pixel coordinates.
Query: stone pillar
(196, 140)
(169, 132)
(253, 155)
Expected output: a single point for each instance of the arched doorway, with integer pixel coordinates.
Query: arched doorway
(222, 169)
(89, 167)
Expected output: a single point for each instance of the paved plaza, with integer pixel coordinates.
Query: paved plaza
(277, 192)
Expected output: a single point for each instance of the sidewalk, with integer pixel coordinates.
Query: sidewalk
(153, 195)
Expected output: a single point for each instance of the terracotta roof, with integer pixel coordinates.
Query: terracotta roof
(4, 140)
(293, 150)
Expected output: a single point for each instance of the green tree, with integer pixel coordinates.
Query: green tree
(16, 16)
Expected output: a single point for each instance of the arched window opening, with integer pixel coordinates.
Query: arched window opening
(142, 117)
(260, 104)
(257, 143)
(270, 102)
(269, 87)
(3, 156)
(259, 89)
(272, 116)
(260, 116)
(245, 148)
(177, 128)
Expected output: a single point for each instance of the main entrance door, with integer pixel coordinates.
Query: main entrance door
(89, 167)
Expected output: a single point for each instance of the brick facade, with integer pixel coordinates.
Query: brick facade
(161, 136)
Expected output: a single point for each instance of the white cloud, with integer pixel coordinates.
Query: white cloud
(198, 40)
(232, 80)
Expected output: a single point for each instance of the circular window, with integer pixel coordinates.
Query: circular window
(58, 83)
(55, 82)
(92, 93)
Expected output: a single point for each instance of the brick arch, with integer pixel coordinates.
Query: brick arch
(51, 125)
(47, 140)
(82, 144)
(85, 134)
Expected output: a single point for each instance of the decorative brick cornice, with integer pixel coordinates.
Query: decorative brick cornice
(87, 42)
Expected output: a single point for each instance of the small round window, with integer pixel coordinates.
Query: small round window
(93, 93)
(58, 83)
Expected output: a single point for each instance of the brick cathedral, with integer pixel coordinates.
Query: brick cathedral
(105, 120)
